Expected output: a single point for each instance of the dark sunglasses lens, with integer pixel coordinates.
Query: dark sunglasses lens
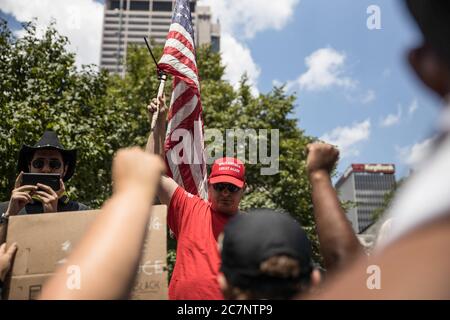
(222, 186)
(55, 164)
(38, 164)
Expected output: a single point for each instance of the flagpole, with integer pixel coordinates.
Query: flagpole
(162, 77)
(162, 82)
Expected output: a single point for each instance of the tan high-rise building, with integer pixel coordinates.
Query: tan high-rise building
(129, 21)
(365, 185)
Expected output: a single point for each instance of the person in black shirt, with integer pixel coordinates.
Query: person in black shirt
(46, 156)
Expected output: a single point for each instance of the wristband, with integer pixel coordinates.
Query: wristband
(4, 218)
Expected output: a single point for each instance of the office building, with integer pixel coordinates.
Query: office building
(365, 185)
(127, 22)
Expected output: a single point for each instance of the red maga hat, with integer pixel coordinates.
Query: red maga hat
(228, 170)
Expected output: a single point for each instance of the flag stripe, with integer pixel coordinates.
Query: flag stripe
(174, 53)
(179, 117)
(175, 172)
(178, 28)
(185, 157)
(184, 73)
(178, 104)
(179, 87)
(185, 171)
(175, 35)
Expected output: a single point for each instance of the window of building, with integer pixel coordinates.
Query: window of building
(108, 63)
(111, 28)
(160, 23)
(162, 6)
(135, 36)
(109, 55)
(160, 29)
(110, 42)
(138, 16)
(138, 22)
(167, 17)
(113, 49)
(142, 29)
(115, 4)
(107, 35)
(140, 5)
(215, 43)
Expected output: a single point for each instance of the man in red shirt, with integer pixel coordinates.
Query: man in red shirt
(197, 223)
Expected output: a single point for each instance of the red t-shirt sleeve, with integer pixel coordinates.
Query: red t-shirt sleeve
(179, 207)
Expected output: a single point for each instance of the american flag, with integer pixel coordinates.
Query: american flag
(185, 113)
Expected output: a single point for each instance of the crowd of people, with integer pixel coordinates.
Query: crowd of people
(223, 253)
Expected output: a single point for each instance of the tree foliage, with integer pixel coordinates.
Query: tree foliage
(42, 89)
(98, 113)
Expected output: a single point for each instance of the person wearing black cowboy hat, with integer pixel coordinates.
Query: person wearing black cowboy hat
(46, 156)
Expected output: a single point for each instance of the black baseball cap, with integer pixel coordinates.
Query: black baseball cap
(252, 238)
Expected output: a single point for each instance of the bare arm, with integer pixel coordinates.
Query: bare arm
(155, 145)
(155, 142)
(338, 243)
(108, 255)
(20, 197)
(414, 267)
(6, 257)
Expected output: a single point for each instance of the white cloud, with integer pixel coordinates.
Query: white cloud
(325, 69)
(391, 119)
(357, 97)
(277, 83)
(368, 97)
(412, 108)
(245, 18)
(347, 138)
(238, 59)
(80, 20)
(415, 154)
(241, 20)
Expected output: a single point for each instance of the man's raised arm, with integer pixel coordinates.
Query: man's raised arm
(155, 145)
(338, 243)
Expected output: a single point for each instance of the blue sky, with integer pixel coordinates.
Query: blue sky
(374, 58)
(357, 79)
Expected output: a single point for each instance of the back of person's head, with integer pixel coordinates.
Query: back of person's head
(265, 255)
(431, 59)
(433, 19)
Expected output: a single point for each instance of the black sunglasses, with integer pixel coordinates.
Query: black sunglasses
(53, 164)
(222, 186)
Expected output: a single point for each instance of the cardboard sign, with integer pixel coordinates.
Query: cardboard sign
(45, 240)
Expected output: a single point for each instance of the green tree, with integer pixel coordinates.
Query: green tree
(98, 113)
(289, 190)
(226, 108)
(41, 88)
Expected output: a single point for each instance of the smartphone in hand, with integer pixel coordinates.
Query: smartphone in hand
(49, 179)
